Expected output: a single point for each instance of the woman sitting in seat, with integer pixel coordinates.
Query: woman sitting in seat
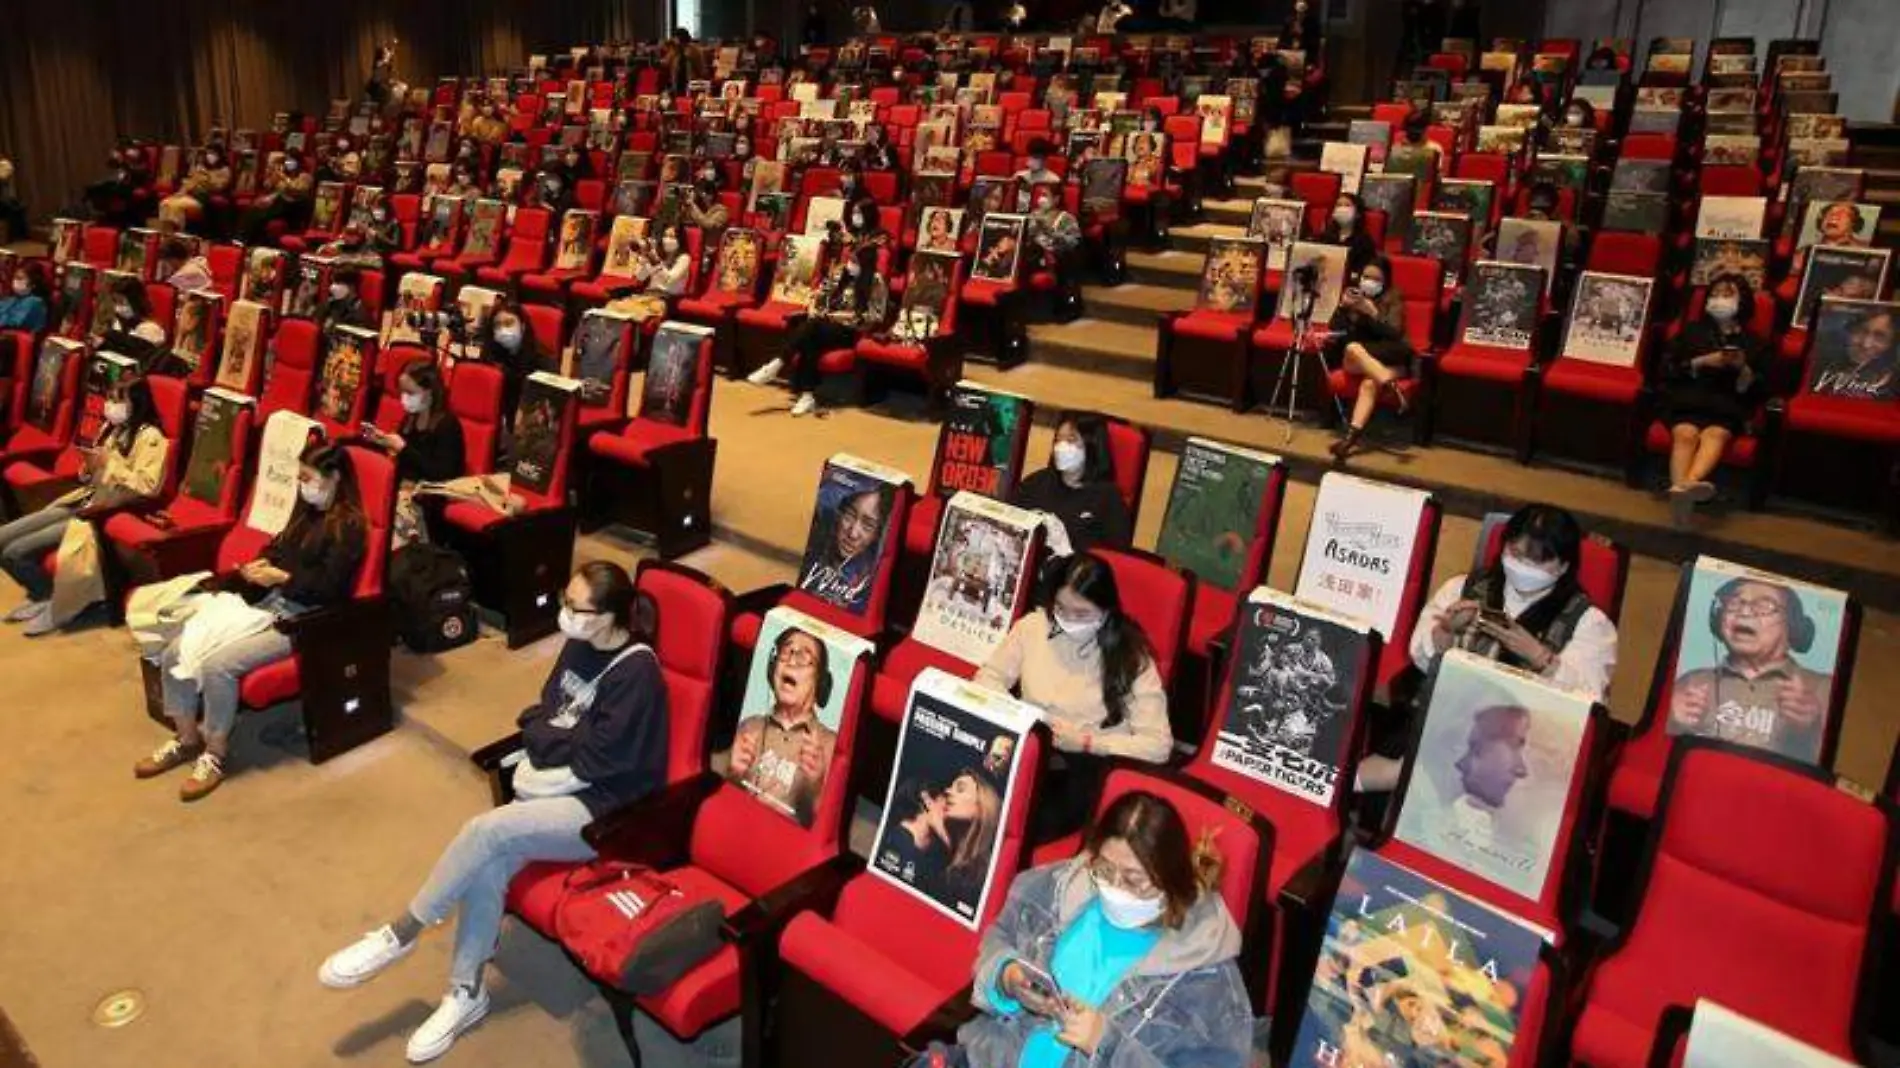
(1525, 611)
(510, 345)
(853, 302)
(210, 178)
(1087, 664)
(427, 443)
(662, 269)
(1713, 377)
(595, 742)
(1369, 333)
(1078, 488)
(27, 300)
(311, 564)
(135, 334)
(1347, 226)
(1122, 956)
(125, 464)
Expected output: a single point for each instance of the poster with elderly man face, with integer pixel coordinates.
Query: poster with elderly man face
(792, 712)
(1756, 660)
(1495, 760)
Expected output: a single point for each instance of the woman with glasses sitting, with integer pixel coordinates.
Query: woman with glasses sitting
(1120, 957)
(594, 742)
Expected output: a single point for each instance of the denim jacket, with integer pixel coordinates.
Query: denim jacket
(1182, 1006)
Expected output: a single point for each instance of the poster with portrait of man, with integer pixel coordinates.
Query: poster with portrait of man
(1841, 223)
(1757, 659)
(949, 802)
(1276, 223)
(850, 531)
(1295, 684)
(1608, 314)
(1496, 753)
(793, 708)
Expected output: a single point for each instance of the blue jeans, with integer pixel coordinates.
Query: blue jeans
(473, 873)
(25, 542)
(219, 676)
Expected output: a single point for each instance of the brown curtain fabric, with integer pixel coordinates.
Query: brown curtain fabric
(77, 75)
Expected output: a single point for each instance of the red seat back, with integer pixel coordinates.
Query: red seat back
(1315, 188)
(1625, 252)
(227, 264)
(694, 612)
(1602, 571)
(475, 400)
(547, 323)
(293, 368)
(16, 360)
(1730, 181)
(173, 400)
(1418, 279)
(527, 241)
(1157, 596)
(700, 411)
(1128, 449)
(101, 246)
(1649, 146)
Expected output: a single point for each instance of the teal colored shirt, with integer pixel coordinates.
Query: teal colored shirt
(1091, 958)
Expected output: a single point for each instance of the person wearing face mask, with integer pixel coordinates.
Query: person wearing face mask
(852, 301)
(343, 305)
(385, 232)
(1089, 667)
(1078, 487)
(209, 177)
(1347, 226)
(878, 155)
(125, 464)
(594, 742)
(1413, 139)
(182, 269)
(706, 213)
(135, 333)
(462, 183)
(288, 196)
(114, 199)
(1035, 172)
(428, 443)
(1579, 114)
(24, 307)
(663, 269)
(511, 346)
(1123, 956)
(1714, 376)
(1056, 237)
(352, 249)
(1369, 336)
(1526, 611)
(310, 564)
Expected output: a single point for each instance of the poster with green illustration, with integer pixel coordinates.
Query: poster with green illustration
(1213, 509)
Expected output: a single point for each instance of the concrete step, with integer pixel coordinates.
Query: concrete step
(1196, 238)
(1134, 305)
(1235, 212)
(1171, 269)
(1099, 347)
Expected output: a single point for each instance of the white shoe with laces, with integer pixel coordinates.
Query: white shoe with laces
(42, 623)
(805, 405)
(363, 959)
(26, 610)
(457, 1013)
(767, 373)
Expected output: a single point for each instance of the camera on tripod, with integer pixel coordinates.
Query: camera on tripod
(429, 326)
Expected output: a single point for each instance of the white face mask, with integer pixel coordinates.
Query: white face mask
(22, 288)
(1526, 577)
(117, 412)
(670, 245)
(1371, 288)
(1069, 457)
(1723, 309)
(315, 493)
(508, 337)
(415, 403)
(339, 291)
(582, 627)
(123, 311)
(1077, 629)
(1125, 910)
(1343, 217)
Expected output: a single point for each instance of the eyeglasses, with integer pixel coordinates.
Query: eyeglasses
(1136, 883)
(798, 657)
(1750, 607)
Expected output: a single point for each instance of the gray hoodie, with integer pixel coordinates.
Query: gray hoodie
(1182, 1006)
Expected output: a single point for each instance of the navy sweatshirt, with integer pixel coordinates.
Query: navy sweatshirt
(612, 734)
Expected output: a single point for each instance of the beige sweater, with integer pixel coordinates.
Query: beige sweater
(1063, 677)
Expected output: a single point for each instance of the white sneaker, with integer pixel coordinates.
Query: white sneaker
(805, 405)
(767, 373)
(361, 960)
(26, 610)
(457, 1013)
(41, 623)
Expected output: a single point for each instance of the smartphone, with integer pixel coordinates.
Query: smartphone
(1495, 617)
(1040, 983)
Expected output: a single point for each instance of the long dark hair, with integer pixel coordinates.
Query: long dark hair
(1158, 837)
(1332, 231)
(132, 291)
(427, 378)
(144, 413)
(1553, 535)
(344, 518)
(1744, 298)
(1126, 651)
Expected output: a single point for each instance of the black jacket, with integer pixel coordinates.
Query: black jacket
(433, 455)
(614, 732)
(1093, 512)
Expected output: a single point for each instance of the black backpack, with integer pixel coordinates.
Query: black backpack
(432, 597)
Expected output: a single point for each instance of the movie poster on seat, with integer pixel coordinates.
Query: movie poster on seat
(795, 278)
(310, 287)
(1717, 257)
(1103, 180)
(67, 242)
(1394, 194)
(195, 338)
(1532, 243)
(417, 295)
(105, 302)
(1731, 217)
(927, 294)
(999, 247)
(1470, 197)
(1147, 155)
(672, 375)
(72, 308)
(1491, 780)
(1295, 678)
(486, 220)
(1840, 223)
(1346, 160)
(950, 799)
(213, 437)
(1217, 114)
(137, 253)
(441, 225)
(1358, 552)
(1757, 659)
(326, 208)
(849, 531)
(49, 378)
(1276, 223)
(263, 279)
(736, 266)
(1230, 276)
(599, 354)
(940, 229)
(244, 336)
(349, 358)
(1444, 236)
(545, 399)
(1608, 316)
(1214, 507)
(623, 241)
(980, 447)
(1328, 279)
(795, 693)
(1411, 972)
(1846, 273)
(979, 577)
(575, 250)
(1853, 354)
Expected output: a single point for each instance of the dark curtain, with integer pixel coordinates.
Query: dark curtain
(76, 75)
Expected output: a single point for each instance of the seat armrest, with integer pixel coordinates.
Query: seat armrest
(655, 829)
(489, 757)
(338, 622)
(136, 506)
(815, 888)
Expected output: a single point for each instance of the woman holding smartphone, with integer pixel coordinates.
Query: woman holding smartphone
(1120, 957)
